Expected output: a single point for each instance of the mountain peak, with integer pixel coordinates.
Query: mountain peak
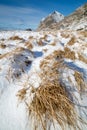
(54, 17)
(55, 12)
(75, 21)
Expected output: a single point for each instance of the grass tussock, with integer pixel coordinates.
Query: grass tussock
(50, 103)
(72, 41)
(21, 94)
(44, 63)
(15, 38)
(65, 35)
(82, 58)
(47, 61)
(29, 45)
(40, 42)
(67, 53)
(53, 44)
(45, 50)
(80, 81)
(2, 46)
(4, 55)
(83, 33)
(30, 37)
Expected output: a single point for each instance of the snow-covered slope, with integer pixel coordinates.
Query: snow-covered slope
(23, 56)
(55, 17)
(75, 21)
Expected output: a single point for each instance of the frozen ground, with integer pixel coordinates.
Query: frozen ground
(21, 53)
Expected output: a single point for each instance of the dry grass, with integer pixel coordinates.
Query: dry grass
(42, 39)
(4, 55)
(45, 50)
(2, 45)
(65, 35)
(21, 94)
(53, 44)
(79, 79)
(44, 63)
(40, 42)
(47, 61)
(72, 41)
(15, 38)
(50, 103)
(82, 58)
(29, 45)
(67, 53)
(30, 37)
(83, 33)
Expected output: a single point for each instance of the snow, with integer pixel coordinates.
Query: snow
(21, 66)
(57, 16)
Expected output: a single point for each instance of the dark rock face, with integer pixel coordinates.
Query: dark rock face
(29, 29)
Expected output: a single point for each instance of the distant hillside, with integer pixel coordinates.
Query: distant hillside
(75, 21)
(55, 17)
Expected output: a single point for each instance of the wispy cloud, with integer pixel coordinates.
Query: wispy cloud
(20, 17)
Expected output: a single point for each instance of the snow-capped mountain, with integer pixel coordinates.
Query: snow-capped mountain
(75, 21)
(55, 17)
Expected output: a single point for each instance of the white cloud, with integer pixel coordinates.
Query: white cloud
(23, 16)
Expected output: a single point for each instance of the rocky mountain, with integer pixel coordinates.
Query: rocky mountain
(75, 21)
(55, 17)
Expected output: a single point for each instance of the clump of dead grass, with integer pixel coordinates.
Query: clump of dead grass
(51, 102)
(45, 50)
(2, 45)
(80, 81)
(40, 42)
(82, 58)
(65, 35)
(72, 41)
(44, 63)
(21, 94)
(15, 38)
(53, 44)
(29, 45)
(83, 33)
(30, 37)
(67, 53)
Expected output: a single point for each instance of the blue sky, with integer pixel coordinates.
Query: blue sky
(22, 14)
